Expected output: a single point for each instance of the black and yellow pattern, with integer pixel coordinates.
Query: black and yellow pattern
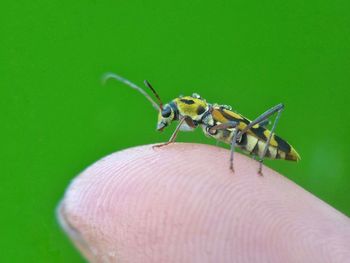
(191, 107)
(219, 122)
(207, 115)
(254, 141)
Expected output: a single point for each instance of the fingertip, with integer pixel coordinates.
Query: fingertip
(116, 191)
(182, 202)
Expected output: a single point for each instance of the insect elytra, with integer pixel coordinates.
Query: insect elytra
(221, 123)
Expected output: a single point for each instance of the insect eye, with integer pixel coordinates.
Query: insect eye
(166, 112)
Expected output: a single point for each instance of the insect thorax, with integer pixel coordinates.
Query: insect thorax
(192, 107)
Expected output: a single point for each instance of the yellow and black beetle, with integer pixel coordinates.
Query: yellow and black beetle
(221, 123)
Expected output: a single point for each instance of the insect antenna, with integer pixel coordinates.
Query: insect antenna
(110, 75)
(155, 93)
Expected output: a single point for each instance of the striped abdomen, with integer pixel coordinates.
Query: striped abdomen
(254, 141)
(255, 146)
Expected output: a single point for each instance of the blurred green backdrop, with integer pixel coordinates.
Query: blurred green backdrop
(57, 118)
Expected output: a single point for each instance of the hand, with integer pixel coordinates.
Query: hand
(182, 203)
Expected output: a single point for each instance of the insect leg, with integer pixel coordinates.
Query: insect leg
(269, 139)
(264, 123)
(233, 145)
(173, 136)
(262, 118)
(223, 126)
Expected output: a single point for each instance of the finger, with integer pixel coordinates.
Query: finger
(182, 203)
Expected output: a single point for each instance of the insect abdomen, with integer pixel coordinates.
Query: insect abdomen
(256, 146)
(254, 140)
(253, 145)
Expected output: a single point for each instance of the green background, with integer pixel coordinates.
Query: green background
(57, 118)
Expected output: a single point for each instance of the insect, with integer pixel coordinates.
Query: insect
(219, 122)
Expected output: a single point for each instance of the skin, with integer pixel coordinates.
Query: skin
(182, 203)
